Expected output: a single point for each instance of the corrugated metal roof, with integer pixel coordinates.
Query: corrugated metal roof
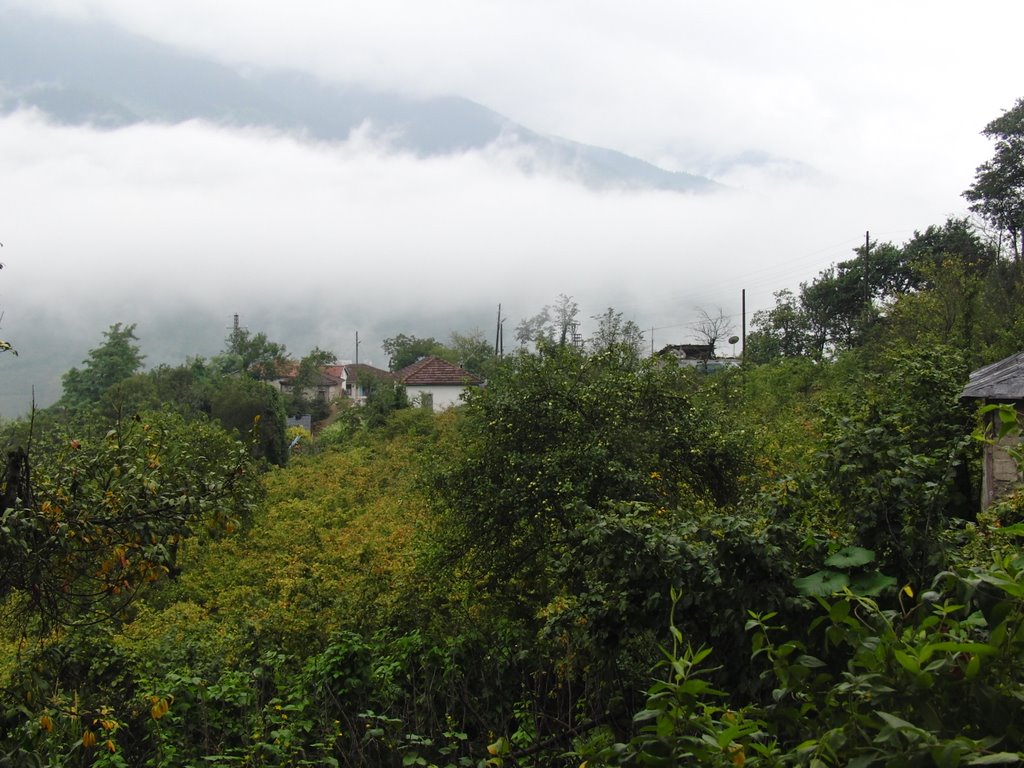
(999, 381)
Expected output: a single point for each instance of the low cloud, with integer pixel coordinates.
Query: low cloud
(178, 227)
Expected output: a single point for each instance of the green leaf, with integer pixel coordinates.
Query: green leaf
(998, 758)
(979, 649)
(895, 722)
(811, 662)
(973, 667)
(822, 583)
(907, 661)
(850, 557)
(871, 584)
(1017, 529)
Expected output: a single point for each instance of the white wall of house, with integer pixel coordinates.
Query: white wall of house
(444, 396)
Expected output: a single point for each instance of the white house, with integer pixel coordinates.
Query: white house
(436, 383)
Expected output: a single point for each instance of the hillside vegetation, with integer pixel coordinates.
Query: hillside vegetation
(599, 558)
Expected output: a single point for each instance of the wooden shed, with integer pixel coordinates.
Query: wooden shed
(1000, 383)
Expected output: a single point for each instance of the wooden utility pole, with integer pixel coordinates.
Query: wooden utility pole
(357, 347)
(867, 247)
(499, 339)
(743, 322)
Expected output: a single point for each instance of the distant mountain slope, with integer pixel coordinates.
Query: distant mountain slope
(96, 74)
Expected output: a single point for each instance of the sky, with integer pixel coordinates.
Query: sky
(823, 120)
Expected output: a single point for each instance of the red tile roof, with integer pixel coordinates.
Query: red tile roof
(433, 371)
(329, 375)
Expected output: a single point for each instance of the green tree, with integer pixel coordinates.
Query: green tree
(554, 324)
(958, 239)
(472, 352)
(553, 433)
(113, 361)
(252, 354)
(241, 405)
(100, 514)
(304, 397)
(997, 194)
(613, 332)
(382, 400)
(895, 458)
(778, 332)
(947, 311)
(837, 308)
(403, 350)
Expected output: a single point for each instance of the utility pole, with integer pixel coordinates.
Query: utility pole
(499, 339)
(867, 248)
(743, 326)
(357, 347)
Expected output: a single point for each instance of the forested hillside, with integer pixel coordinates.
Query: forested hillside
(599, 558)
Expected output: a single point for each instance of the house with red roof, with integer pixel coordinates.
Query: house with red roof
(430, 382)
(436, 383)
(327, 385)
(359, 380)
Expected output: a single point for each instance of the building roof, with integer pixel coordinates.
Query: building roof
(999, 381)
(688, 351)
(434, 372)
(356, 370)
(325, 377)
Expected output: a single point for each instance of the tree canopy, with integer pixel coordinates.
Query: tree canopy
(403, 349)
(252, 354)
(997, 194)
(113, 361)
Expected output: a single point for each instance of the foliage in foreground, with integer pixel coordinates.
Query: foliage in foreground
(936, 682)
(104, 514)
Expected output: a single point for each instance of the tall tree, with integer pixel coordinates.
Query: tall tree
(997, 194)
(958, 239)
(403, 350)
(613, 332)
(554, 324)
(252, 354)
(471, 351)
(778, 332)
(114, 360)
(837, 308)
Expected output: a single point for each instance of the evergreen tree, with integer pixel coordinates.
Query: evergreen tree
(115, 360)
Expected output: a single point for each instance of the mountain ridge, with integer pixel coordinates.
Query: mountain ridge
(92, 73)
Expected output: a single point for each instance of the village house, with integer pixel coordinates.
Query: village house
(430, 382)
(700, 356)
(435, 383)
(1000, 383)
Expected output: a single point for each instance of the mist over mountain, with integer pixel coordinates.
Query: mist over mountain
(170, 165)
(94, 74)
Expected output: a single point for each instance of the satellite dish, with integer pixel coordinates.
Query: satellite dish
(733, 339)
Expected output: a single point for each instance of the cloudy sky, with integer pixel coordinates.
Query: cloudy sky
(823, 119)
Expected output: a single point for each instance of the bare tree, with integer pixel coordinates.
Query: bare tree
(554, 324)
(710, 328)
